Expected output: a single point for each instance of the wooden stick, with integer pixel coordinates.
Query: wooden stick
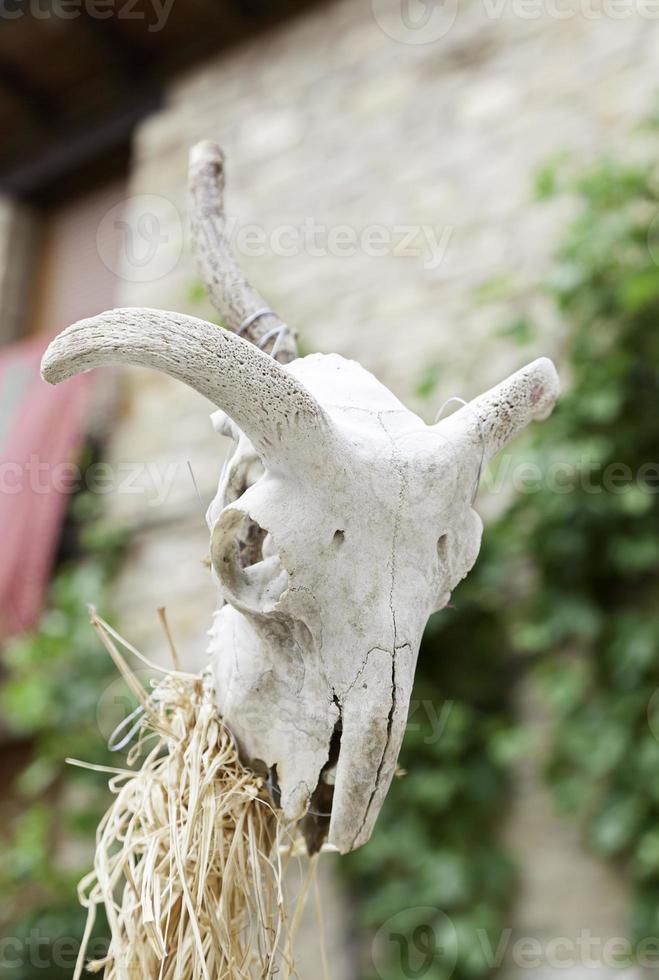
(240, 306)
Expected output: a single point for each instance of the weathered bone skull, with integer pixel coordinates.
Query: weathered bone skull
(342, 521)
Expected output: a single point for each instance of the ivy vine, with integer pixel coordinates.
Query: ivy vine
(567, 586)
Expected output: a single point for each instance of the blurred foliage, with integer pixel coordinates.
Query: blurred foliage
(592, 620)
(567, 585)
(49, 701)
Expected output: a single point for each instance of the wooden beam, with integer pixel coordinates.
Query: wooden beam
(130, 60)
(73, 149)
(35, 102)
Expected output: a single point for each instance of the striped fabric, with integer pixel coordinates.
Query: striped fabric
(41, 430)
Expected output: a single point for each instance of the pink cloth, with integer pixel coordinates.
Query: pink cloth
(41, 430)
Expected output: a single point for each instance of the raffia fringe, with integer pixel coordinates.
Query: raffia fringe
(190, 857)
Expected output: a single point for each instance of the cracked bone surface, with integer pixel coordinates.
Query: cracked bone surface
(341, 522)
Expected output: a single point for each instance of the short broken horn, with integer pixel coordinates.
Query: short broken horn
(494, 418)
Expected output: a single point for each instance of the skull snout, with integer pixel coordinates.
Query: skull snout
(373, 717)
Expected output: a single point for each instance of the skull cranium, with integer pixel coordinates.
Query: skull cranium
(341, 523)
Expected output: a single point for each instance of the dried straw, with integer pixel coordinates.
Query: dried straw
(190, 856)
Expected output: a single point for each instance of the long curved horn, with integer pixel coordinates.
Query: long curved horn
(275, 411)
(494, 418)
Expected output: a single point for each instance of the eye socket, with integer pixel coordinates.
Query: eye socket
(246, 563)
(339, 538)
(250, 538)
(442, 547)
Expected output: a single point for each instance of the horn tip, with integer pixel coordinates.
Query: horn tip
(58, 361)
(545, 387)
(206, 152)
(50, 366)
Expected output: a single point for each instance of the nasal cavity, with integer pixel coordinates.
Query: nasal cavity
(339, 538)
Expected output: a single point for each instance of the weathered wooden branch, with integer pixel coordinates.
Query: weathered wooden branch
(242, 309)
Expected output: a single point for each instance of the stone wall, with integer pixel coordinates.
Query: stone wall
(350, 145)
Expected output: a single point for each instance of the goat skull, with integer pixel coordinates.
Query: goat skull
(341, 523)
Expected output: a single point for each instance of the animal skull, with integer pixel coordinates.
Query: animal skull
(341, 522)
